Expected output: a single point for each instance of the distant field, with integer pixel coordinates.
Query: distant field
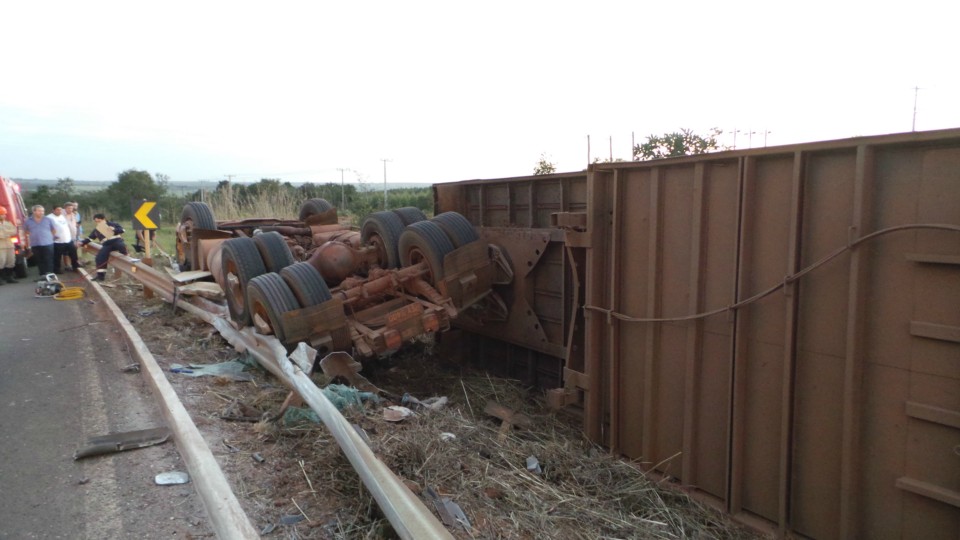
(186, 188)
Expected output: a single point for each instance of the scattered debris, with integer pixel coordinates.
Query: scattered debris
(132, 368)
(584, 491)
(234, 370)
(83, 481)
(341, 364)
(446, 436)
(291, 520)
(171, 478)
(241, 412)
(450, 512)
(533, 465)
(509, 417)
(396, 413)
(433, 404)
(119, 442)
(257, 457)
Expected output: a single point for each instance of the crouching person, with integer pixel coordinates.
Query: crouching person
(107, 233)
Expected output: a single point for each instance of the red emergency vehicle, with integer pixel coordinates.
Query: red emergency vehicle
(16, 212)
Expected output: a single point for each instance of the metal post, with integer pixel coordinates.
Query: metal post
(916, 91)
(343, 197)
(385, 181)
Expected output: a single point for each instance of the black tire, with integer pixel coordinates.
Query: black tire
(383, 230)
(274, 250)
(425, 242)
(458, 229)
(195, 215)
(306, 284)
(20, 267)
(410, 214)
(240, 263)
(200, 214)
(270, 298)
(311, 207)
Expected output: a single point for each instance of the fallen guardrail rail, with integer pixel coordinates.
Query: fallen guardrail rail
(409, 516)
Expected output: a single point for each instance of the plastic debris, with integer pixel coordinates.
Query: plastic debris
(396, 413)
(290, 520)
(339, 395)
(450, 512)
(171, 478)
(533, 465)
(446, 436)
(233, 370)
(299, 415)
(258, 458)
(433, 403)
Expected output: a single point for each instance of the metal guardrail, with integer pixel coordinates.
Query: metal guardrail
(410, 518)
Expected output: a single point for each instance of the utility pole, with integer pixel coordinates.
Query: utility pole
(343, 197)
(588, 150)
(385, 181)
(916, 91)
(765, 133)
(611, 148)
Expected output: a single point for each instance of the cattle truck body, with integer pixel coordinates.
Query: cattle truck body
(776, 328)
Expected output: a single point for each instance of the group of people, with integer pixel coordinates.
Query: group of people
(52, 238)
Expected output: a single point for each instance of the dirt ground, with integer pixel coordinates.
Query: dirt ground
(289, 475)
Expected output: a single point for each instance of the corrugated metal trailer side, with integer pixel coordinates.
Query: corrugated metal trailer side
(777, 328)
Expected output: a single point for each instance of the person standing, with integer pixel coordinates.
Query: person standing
(108, 234)
(40, 231)
(76, 213)
(8, 256)
(62, 241)
(75, 233)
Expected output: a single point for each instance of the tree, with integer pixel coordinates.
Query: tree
(131, 184)
(66, 186)
(544, 166)
(682, 143)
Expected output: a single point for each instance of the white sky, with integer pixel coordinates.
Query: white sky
(199, 90)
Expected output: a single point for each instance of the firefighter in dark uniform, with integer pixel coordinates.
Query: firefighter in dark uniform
(110, 242)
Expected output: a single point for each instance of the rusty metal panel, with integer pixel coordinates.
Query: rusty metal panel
(818, 390)
(828, 193)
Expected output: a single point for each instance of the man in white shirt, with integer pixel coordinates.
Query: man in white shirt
(62, 241)
(75, 232)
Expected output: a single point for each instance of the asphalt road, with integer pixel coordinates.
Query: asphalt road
(61, 383)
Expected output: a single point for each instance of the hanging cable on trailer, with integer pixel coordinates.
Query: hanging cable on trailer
(786, 280)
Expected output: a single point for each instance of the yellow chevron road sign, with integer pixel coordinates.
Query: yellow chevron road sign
(145, 215)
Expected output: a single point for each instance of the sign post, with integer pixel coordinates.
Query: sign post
(145, 218)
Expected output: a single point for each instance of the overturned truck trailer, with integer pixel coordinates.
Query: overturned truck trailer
(777, 329)
(314, 280)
